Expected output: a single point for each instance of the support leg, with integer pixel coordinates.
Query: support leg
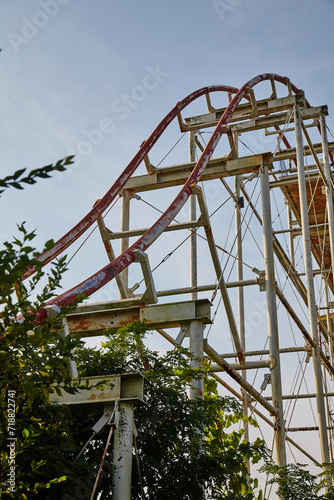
(272, 319)
(122, 458)
(310, 289)
(196, 347)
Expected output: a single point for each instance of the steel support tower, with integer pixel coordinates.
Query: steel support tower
(238, 265)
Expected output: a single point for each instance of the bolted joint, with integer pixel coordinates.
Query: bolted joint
(271, 362)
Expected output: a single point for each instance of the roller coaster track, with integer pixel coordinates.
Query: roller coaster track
(111, 270)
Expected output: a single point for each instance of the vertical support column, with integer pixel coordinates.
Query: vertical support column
(52, 311)
(329, 192)
(125, 225)
(241, 303)
(192, 213)
(330, 215)
(329, 324)
(310, 288)
(291, 238)
(196, 347)
(279, 429)
(122, 456)
(71, 363)
(197, 385)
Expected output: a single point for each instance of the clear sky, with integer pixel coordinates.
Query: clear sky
(66, 65)
(94, 79)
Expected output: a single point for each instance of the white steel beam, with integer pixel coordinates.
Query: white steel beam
(122, 454)
(272, 319)
(310, 290)
(192, 213)
(92, 320)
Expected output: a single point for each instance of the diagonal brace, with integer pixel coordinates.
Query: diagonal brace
(219, 273)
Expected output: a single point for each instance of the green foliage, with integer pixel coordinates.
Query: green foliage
(33, 356)
(175, 460)
(17, 178)
(326, 481)
(295, 482)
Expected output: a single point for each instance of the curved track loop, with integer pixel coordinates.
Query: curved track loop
(106, 274)
(117, 187)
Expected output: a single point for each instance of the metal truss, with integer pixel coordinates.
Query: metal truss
(292, 268)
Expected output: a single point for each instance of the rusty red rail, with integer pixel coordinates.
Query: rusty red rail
(72, 235)
(106, 274)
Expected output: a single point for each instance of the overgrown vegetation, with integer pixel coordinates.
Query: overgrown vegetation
(174, 462)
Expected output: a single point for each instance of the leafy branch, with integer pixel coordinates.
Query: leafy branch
(16, 179)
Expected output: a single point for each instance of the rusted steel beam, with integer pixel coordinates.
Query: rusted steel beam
(244, 112)
(175, 175)
(205, 288)
(297, 429)
(92, 320)
(107, 199)
(138, 232)
(102, 277)
(240, 380)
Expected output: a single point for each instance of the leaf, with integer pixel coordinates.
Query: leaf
(25, 433)
(58, 480)
(28, 180)
(16, 185)
(49, 244)
(18, 173)
(58, 391)
(44, 175)
(69, 160)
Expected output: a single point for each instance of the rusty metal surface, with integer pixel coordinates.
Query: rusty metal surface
(85, 322)
(239, 379)
(316, 199)
(121, 387)
(102, 277)
(107, 199)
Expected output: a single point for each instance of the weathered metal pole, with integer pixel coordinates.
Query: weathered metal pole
(329, 325)
(241, 303)
(197, 385)
(196, 347)
(192, 213)
(310, 289)
(125, 226)
(237, 377)
(272, 318)
(122, 455)
(329, 192)
(291, 237)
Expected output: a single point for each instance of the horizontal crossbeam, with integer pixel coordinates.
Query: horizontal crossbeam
(93, 320)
